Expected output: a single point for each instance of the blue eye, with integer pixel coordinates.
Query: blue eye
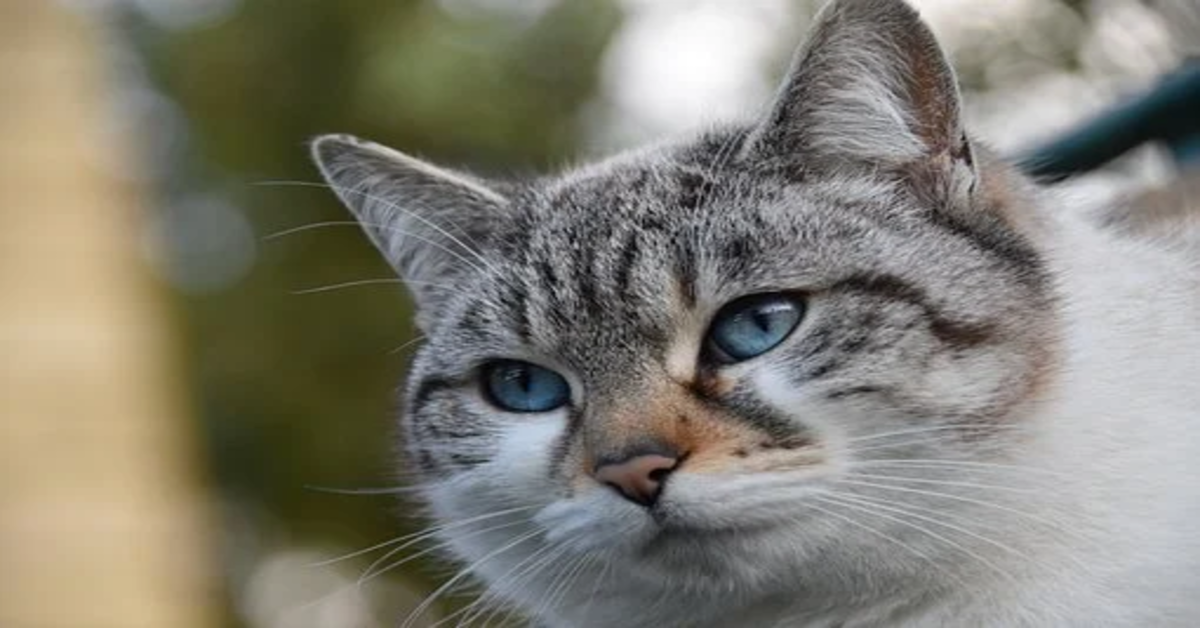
(753, 325)
(523, 387)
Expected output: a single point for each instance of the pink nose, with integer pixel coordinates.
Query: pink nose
(639, 478)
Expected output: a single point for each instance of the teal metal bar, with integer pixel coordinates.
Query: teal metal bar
(1169, 113)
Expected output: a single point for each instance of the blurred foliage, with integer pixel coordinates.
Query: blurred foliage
(297, 390)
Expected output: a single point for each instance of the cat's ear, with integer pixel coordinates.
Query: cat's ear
(426, 220)
(871, 87)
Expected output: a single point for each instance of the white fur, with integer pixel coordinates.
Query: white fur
(1115, 441)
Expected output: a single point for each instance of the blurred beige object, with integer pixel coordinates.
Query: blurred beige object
(103, 521)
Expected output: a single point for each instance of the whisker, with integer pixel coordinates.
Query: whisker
(907, 443)
(930, 533)
(374, 570)
(907, 509)
(388, 228)
(886, 537)
(557, 572)
(893, 478)
(921, 463)
(385, 490)
(605, 570)
(527, 569)
(420, 535)
(390, 204)
(371, 282)
(567, 580)
(275, 235)
(483, 604)
(516, 574)
(979, 427)
(407, 344)
(1031, 517)
(465, 572)
(724, 154)
(368, 575)
(921, 440)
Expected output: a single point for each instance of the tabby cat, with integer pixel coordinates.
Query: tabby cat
(837, 366)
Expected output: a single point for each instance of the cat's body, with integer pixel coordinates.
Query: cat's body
(836, 368)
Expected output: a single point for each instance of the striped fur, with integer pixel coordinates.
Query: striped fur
(969, 427)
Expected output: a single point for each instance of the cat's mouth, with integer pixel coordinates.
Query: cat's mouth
(672, 528)
(673, 531)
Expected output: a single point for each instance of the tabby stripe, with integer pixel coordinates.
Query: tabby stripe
(584, 276)
(685, 273)
(428, 387)
(630, 250)
(749, 410)
(524, 326)
(957, 334)
(1000, 242)
(562, 446)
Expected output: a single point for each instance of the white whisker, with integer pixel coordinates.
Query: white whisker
(385, 490)
(465, 572)
(886, 537)
(388, 228)
(922, 439)
(491, 605)
(964, 427)
(372, 282)
(894, 478)
(529, 565)
(407, 344)
(570, 575)
(421, 535)
(907, 509)
(374, 570)
(396, 206)
(874, 511)
(922, 463)
(986, 504)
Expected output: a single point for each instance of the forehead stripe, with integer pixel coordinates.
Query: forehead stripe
(954, 333)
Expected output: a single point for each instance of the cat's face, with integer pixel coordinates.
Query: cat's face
(691, 364)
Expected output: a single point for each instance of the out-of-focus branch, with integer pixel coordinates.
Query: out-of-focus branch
(102, 518)
(1165, 114)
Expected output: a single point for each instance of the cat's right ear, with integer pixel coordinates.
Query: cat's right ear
(426, 220)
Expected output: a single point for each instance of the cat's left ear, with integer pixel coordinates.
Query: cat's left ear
(871, 87)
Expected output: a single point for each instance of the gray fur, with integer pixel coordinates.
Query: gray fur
(932, 306)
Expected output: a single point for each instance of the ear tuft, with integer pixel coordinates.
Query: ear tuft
(426, 220)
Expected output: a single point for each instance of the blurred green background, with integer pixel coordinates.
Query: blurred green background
(286, 393)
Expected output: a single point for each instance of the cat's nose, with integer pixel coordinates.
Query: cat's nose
(639, 477)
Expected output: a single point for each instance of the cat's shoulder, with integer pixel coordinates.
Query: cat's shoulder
(1166, 214)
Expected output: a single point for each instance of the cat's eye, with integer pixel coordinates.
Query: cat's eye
(753, 325)
(518, 386)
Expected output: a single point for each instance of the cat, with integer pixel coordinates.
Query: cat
(836, 366)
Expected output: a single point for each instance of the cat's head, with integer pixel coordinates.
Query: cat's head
(684, 360)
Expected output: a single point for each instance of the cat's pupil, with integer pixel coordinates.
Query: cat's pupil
(519, 375)
(763, 320)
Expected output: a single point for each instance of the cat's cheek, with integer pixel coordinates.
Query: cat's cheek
(801, 404)
(522, 463)
(596, 520)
